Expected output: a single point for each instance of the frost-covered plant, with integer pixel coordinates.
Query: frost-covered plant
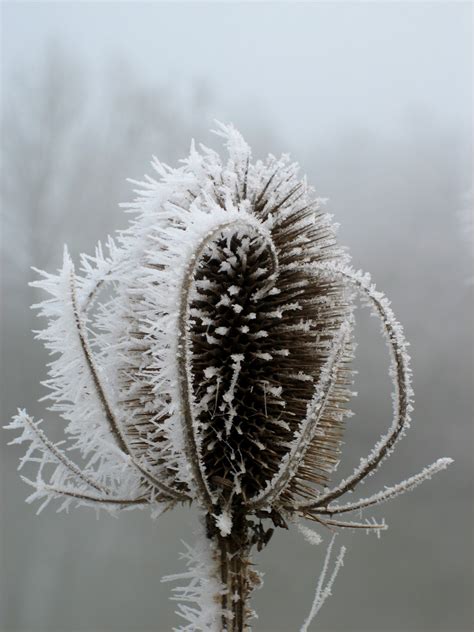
(215, 370)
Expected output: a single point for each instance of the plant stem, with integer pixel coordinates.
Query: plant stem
(232, 555)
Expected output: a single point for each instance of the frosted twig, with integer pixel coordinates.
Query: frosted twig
(400, 372)
(323, 592)
(389, 492)
(81, 495)
(23, 420)
(113, 423)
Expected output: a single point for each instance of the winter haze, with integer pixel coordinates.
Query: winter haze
(375, 102)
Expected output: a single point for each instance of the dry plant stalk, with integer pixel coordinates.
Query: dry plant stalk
(215, 370)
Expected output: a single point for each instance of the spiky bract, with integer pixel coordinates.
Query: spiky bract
(230, 331)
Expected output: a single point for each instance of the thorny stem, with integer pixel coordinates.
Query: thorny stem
(232, 556)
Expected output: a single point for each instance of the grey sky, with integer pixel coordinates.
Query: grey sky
(312, 68)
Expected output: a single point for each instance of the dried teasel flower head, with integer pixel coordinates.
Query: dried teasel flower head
(215, 368)
(230, 330)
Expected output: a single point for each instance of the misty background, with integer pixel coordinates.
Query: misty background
(375, 102)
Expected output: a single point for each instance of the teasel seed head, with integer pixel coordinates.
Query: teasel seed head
(238, 334)
(215, 369)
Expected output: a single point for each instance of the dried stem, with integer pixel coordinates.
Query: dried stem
(80, 495)
(59, 455)
(113, 424)
(238, 579)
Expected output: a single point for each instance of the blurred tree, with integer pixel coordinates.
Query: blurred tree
(68, 145)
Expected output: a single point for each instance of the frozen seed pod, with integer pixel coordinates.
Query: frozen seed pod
(206, 359)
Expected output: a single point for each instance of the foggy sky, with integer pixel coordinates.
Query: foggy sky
(312, 69)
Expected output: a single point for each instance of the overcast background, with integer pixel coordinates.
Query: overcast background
(375, 101)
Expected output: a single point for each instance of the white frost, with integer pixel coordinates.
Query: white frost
(224, 523)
